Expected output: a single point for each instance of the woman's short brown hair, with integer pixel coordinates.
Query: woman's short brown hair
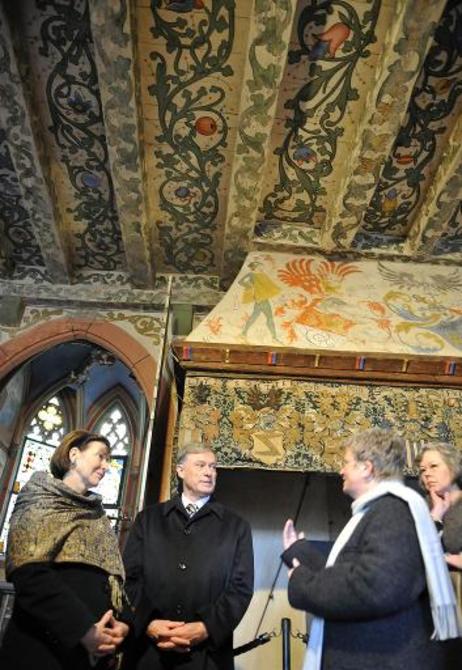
(60, 462)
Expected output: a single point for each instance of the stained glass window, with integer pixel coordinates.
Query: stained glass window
(48, 425)
(114, 425)
(42, 436)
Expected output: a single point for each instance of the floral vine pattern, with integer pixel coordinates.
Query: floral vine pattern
(17, 228)
(194, 129)
(436, 94)
(146, 325)
(78, 129)
(308, 149)
(271, 22)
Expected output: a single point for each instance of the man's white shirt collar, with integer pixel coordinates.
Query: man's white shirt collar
(199, 503)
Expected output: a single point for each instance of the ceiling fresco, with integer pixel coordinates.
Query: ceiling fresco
(155, 137)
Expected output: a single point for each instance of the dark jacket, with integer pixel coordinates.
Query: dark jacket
(373, 599)
(188, 570)
(55, 605)
(452, 544)
(452, 529)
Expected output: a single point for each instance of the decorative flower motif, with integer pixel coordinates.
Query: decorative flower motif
(206, 125)
(335, 36)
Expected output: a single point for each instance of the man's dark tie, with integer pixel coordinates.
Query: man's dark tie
(191, 509)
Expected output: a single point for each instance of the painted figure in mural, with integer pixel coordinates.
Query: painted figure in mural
(384, 596)
(324, 285)
(259, 289)
(189, 564)
(64, 561)
(440, 467)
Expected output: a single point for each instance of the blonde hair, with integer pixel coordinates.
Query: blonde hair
(450, 454)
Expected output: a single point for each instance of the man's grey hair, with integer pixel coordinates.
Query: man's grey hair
(192, 448)
(383, 448)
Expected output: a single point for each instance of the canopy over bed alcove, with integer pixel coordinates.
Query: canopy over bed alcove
(302, 351)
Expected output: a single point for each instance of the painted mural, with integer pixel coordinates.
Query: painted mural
(269, 37)
(72, 115)
(147, 328)
(331, 41)
(309, 302)
(78, 128)
(191, 134)
(435, 102)
(16, 229)
(298, 425)
(173, 136)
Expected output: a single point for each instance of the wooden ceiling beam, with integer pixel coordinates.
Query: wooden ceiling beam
(30, 162)
(106, 288)
(406, 45)
(264, 69)
(441, 199)
(111, 25)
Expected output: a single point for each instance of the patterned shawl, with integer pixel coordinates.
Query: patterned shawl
(51, 522)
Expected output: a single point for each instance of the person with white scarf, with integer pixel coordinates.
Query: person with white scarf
(384, 599)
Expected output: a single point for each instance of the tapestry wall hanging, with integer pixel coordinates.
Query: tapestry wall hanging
(288, 424)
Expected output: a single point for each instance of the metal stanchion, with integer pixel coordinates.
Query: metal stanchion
(285, 630)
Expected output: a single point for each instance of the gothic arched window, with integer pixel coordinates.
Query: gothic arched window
(114, 424)
(41, 437)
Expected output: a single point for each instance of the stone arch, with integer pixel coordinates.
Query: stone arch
(43, 336)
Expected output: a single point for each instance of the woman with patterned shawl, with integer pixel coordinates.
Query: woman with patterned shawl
(64, 561)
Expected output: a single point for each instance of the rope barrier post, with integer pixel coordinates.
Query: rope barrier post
(285, 629)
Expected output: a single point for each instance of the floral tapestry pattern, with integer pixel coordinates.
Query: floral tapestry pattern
(290, 424)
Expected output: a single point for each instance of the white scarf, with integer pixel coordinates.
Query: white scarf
(446, 616)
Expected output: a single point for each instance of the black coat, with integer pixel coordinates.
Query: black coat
(198, 569)
(373, 599)
(55, 605)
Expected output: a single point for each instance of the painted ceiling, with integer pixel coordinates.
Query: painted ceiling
(157, 137)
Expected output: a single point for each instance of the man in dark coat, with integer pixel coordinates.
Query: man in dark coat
(189, 565)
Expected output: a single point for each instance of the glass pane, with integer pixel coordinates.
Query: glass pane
(34, 458)
(110, 486)
(114, 426)
(48, 425)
